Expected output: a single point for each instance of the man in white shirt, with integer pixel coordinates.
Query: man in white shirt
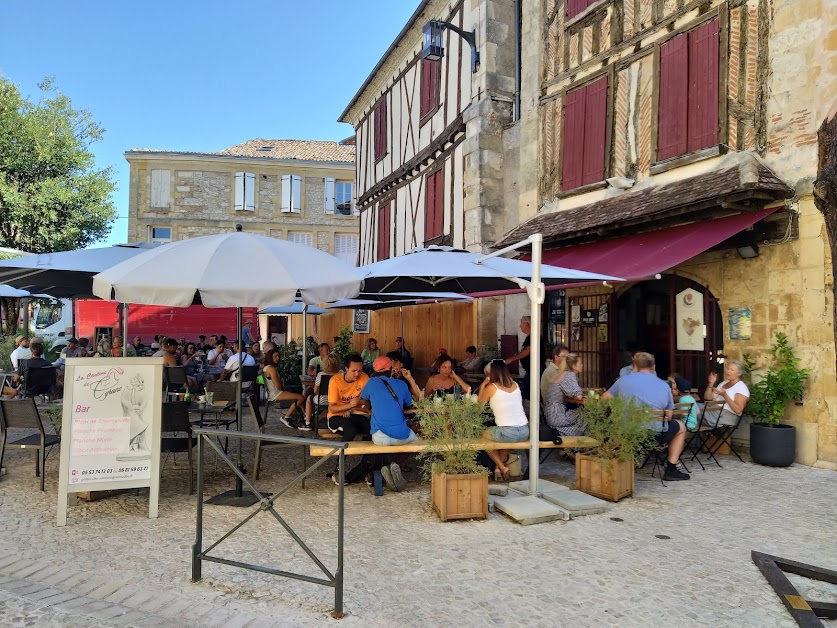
(231, 367)
(216, 358)
(21, 352)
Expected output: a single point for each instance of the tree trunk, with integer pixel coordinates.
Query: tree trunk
(825, 192)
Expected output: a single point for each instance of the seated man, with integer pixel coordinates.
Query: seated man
(231, 369)
(72, 349)
(472, 362)
(406, 356)
(315, 364)
(167, 352)
(400, 372)
(389, 398)
(346, 414)
(552, 368)
(22, 352)
(217, 358)
(646, 388)
(36, 361)
(139, 348)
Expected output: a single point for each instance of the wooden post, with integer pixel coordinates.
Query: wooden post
(825, 190)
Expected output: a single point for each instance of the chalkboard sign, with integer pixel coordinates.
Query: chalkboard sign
(360, 321)
(110, 430)
(589, 318)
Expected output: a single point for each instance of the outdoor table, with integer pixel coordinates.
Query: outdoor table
(8, 378)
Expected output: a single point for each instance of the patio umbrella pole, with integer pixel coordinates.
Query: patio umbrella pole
(401, 314)
(125, 330)
(536, 298)
(239, 485)
(304, 341)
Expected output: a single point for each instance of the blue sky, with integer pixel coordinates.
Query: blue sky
(199, 75)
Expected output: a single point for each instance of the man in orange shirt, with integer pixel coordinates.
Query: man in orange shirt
(347, 412)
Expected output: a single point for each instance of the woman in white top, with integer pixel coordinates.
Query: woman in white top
(512, 425)
(732, 391)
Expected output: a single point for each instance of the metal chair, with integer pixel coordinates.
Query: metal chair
(722, 432)
(695, 442)
(226, 392)
(174, 379)
(23, 414)
(177, 435)
(39, 380)
(660, 453)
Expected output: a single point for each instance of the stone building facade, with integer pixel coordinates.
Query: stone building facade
(288, 189)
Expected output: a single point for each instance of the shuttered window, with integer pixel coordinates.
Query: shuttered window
(301, 237)
(434, 205)
(384, 231)
(430, 76)
(291, 193)
(343, 196)
(329, 195)
(160, 188)
(574, 7)
(245, 191)
(584, 134)
(689, 83)
(379, 119)
(346, 247)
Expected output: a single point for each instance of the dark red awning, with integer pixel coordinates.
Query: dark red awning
(642, 256)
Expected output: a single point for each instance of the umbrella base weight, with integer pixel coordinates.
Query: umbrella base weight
(235, 499)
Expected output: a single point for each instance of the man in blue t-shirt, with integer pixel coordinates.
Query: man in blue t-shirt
(647, 389)
(389, 398)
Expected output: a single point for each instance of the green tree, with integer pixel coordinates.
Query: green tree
(52, 196)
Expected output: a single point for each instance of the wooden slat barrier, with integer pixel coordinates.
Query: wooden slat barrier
(368, 447)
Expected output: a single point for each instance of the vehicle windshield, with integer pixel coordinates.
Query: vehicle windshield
(48, 314)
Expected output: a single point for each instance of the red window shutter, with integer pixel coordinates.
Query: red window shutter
(574, 7)
(380, 122)
(384, 230)
(434, 208)
(572, 157)
(439, 213)
(703, 86)
(672, 128)
(595, 127)
(429, 86)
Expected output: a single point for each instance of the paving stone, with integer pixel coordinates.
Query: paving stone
(498, 489)
(60, 598)
(544, 486)
(529, 510)
(577, 503)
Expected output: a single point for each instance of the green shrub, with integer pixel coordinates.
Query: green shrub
(621, 427)
(784, 381)
(290, 364)
(343, 347)
(6, 347)
(447, 426)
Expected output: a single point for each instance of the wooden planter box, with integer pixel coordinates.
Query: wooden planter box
(594, 478)
(459, 496)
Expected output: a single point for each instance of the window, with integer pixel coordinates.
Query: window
(688, 118)
(245, 191)
(160, 188)
(338, 197)
(574, 7)
(434, 205)
(430, 76)
(384, 231)
(159, 234)
(583, 137)
(346, 247)
(291, 193)
(380, 132)
(301, 237)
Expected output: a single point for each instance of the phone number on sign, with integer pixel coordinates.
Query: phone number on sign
(109, 471)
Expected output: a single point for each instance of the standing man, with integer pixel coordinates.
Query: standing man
(21, 352)
(346, 415)
(522, 356)
(245, 333)
(644, 387)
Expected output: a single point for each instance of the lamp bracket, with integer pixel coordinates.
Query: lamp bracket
(469, 36)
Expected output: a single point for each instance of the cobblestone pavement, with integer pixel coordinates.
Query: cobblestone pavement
(112, 566)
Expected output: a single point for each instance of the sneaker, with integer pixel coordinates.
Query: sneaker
(672, 475)
(387, 475)
(335, 478)
(397, 477)
(287, 421)
(305, 427)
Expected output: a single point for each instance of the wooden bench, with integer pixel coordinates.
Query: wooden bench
(480, 444)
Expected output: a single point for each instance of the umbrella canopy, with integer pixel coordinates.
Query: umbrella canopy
(296, 308)
(13, 293)
(384, 301)
(210, 270)
(68, 273)
(456, 270)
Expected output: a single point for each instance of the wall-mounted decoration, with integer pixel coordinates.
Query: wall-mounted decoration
(739, 323)
(691, 331)
(589, 318)
(602, 332)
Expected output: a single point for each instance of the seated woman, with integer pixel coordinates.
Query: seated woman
(680, 387)
(191, 362)
(564, 398)
(732, 391)
(512, 425)
(331, 366)
(275, 392)
(446, 380)
(369, 354)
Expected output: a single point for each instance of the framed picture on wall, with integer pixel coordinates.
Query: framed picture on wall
(360, 321)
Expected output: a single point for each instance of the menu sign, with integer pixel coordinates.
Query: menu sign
(110, 427)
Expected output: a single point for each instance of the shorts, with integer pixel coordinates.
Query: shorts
(379, 438)
(508, 433)
(664, 438)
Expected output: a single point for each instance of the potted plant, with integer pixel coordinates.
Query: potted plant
(621, 428)
(343, 347)
(459, 485)
(772, 442)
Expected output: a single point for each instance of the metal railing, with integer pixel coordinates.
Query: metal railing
(266, 504)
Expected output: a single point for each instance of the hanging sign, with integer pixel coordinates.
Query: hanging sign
(560, 312)
(360, 321)
(589, 318)
(110, 430)
(575, 313)
(688, 306)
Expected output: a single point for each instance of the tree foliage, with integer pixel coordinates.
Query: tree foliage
(52, 196)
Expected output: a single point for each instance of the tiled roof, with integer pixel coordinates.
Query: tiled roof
(740, 183)
(304, 150)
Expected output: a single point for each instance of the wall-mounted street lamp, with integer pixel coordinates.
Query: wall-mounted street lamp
(434, 46)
